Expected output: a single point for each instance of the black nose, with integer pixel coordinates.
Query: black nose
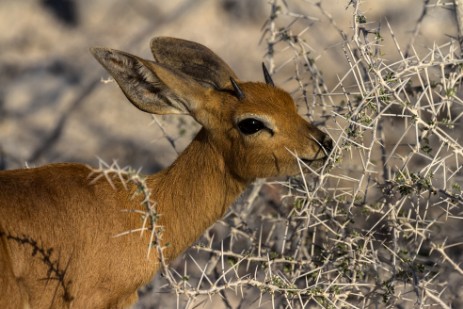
(327, 144)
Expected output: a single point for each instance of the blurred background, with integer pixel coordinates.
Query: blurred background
(56, 104)
(54, 107)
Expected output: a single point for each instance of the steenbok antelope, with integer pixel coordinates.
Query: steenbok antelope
(58, 222)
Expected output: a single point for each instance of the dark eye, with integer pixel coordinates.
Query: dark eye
(250, 126)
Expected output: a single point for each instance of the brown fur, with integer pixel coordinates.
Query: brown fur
(57, 225)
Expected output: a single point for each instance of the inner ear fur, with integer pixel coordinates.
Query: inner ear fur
(150, 86)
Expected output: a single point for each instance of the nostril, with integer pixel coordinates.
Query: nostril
(327, 144)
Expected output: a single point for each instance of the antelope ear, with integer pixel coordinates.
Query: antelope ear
(192, 59)
(151, 87)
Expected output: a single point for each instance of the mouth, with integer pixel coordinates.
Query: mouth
(320, 157)
(313, 163)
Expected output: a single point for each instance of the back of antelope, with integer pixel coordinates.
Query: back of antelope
(58, 222)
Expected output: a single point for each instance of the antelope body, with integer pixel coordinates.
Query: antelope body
(58, 221)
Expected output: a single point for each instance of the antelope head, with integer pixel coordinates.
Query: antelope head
(254, 127)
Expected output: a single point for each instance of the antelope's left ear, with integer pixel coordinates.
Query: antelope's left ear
(152, 87)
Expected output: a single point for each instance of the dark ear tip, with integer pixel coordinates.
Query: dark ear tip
(95, 50)
(155, 41)
(99, 52)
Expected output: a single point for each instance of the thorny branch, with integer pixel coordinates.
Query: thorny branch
(379, 227)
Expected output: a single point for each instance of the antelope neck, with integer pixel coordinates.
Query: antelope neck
(193, 193)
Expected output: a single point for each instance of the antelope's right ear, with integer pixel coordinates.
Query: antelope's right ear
(151, 87)
(193, 59)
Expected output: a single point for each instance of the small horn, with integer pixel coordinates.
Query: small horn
(268, 78)
(238, 92)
